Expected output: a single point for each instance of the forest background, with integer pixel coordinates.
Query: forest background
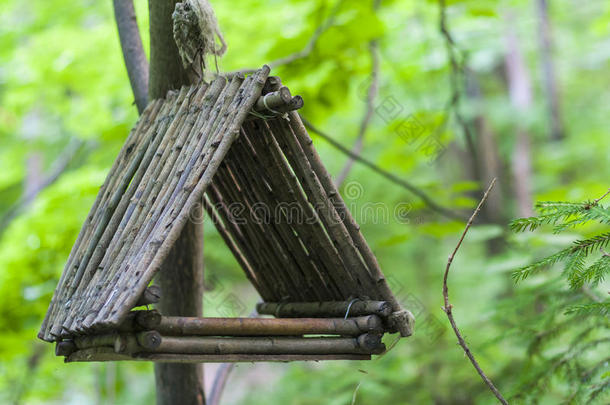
(438, 101)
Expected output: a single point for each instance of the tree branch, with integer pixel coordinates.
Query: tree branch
(370, 106)
(59, 166)
(133, 51)
(448, 307)
(220, 381)
(308, 49)
(456, 73)
(385, 174)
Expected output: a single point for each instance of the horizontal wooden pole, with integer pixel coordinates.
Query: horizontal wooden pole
(122, 343)
(102, 354)
(180, 326)
(364, 344)
(86, 342)
(328, 309)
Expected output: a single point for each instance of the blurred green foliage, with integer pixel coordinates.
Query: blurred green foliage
(62, 78)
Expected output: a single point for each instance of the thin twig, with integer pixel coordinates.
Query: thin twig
(133, 51)
(448, 307)
(456, 73)
(595, 202)
(385, 174)
(308, 49)
(220, 381)
(313, 41)
(369, 109)
(59, 166)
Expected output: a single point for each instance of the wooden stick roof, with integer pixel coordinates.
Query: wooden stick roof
(269, 195)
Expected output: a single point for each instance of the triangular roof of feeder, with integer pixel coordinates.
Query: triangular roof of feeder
(257, 174)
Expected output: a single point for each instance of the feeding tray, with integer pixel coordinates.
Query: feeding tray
(236, 142)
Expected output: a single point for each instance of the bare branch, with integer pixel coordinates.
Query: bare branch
(369, 110)
(448, 307)
(312, 41)
(133, 51)
(59, 166)
(385, 174)
(601, 198)
(308, 49)
(220, 381)
(455, 76)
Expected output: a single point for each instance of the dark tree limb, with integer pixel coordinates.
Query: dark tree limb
(133, 51)
(448, 308)
(166, 70)
(427, 200)
(369, 109)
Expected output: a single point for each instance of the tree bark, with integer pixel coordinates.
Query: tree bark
(181, 279)
(181, 275)
(133, 51)
(166, 71)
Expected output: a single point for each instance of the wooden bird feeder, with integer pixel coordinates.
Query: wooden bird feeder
(234, 142)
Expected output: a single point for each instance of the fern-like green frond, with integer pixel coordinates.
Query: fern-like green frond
(590, 213)
(591, 244)
(549, 218)
(545, 207)
(596, 308)
(596, 273)
(598, 390)
(599, 214)
(524, 272)
(575, 267)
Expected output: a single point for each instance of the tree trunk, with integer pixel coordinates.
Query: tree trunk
(181, 276)
(520, 92)
(549, 79)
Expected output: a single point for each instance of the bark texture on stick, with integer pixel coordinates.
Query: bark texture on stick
(324, 309)
(182, 290)
(133, 51)
(108, 354)
(363, 344)
(184, 326)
